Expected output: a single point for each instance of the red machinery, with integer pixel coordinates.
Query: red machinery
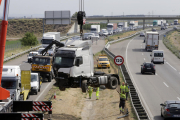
(4, 94)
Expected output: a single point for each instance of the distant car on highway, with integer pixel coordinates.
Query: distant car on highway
(148, 67)
(175, 28)
(31, 54)
(153, 29)
(170, 109)
(88, 36)
(166, 27)
(142, 34)
(39, 50)
(96, 35)
(162, 28)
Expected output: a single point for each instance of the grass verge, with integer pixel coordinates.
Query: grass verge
(172, 42)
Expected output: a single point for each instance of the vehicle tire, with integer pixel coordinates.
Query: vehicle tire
(36, 92)
(39, 89)
(84, 86)
(113, 82)
(50, 78)
(163, 62)
(154, 73)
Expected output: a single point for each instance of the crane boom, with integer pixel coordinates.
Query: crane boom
(4, 94)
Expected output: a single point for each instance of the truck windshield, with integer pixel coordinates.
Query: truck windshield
(64, 61)
(158, 54)
(7, 84)
(103, 59)
(42, 61)
(93, 29)
(109, 26)
(47, 41)
(33, 78)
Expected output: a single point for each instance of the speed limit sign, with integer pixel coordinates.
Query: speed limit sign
(118, 60)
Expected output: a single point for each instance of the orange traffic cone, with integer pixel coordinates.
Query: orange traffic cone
(54, 95)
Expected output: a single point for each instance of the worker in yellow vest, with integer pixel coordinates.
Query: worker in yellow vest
(127, 90)
(122, 102)
(90, 90)
(122, 88)
(97, 93)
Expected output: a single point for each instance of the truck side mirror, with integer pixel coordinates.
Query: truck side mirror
(77, 62)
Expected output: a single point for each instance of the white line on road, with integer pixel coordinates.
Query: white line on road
(178, 98)
(144, 59)
(134, 82)
(171, 66)
(165, 84)
(42, 92)
(142, 53)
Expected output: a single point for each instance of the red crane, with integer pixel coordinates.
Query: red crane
(4, 94)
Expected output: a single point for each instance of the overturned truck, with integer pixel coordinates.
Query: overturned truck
(73, 66)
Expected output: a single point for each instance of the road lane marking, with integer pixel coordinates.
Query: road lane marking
(178, 98)
(171, 66)
(134, 82)
(43, 91)
(142, 53)
(165, 84)
(144, 59)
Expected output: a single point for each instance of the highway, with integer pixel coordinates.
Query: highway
(153, 89)
(46, 86)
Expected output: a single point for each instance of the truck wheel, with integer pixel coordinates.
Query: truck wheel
(84, 86)
(36, 92)
(113, 82)
(50, 78)
(27, 96)
(61, 87)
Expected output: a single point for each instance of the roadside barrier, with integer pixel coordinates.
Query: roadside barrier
(134, 97)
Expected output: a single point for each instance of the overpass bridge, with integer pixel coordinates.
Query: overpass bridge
(132, 17)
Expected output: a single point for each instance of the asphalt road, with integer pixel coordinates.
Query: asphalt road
(153, 89)
(46, 86)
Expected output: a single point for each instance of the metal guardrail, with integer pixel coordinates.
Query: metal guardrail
(135, 99)
(34, 48)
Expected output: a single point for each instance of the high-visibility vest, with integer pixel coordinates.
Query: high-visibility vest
(90, 89)
(97, 91)
(122, 96)
(122, 88)
(127, 88)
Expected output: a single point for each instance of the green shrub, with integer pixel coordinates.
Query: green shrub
(29, 39)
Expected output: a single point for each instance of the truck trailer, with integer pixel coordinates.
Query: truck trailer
(151, 41)
(95, 28)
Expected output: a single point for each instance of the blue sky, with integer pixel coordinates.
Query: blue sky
(93, 7)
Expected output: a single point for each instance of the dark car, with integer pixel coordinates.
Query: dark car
(170, 109)
(142, 34)
(153, 29)
(148, 67)
(162, 28)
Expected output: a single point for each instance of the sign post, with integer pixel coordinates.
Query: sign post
(118, 60)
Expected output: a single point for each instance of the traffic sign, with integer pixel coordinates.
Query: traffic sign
(118, 60)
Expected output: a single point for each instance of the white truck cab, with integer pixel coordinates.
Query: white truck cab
(35, 83)
(49, 37)
(157, 56)
(11, 80)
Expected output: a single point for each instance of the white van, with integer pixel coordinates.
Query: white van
(157, 56)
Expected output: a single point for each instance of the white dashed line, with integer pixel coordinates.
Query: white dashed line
(142, 53)
(165, 84)
(144, 59)
(171, 66)
(178, 98)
